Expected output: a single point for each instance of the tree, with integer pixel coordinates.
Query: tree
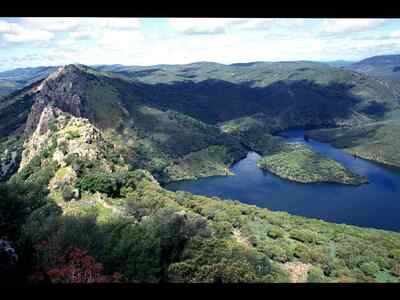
(18, 201)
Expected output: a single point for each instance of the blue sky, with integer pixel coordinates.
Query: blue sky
(30, 42)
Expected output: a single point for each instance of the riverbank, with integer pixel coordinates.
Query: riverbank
(368, 205)
(298, 163)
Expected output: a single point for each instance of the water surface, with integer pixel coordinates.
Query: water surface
(376, 204)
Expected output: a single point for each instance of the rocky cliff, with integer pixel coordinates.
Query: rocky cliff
(63, 89)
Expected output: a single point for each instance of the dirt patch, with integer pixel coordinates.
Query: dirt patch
(298, 271)
(241, 239)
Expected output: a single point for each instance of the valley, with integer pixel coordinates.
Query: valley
(136, 166)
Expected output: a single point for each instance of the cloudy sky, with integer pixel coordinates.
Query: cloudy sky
(29, 42)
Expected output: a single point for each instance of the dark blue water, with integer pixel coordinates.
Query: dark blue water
(376, 204)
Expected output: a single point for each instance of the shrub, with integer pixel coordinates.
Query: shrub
(63, 233)
(369, 268)
(226, 272)
(182, 272)
(111, 184)
(395, 254)
(67, 193)
(78, 267)
(316, 275)
(100, 182)
(43, 175)
(275, 252)
(306, 236)
(275, 233)
(303, 253)
(72, 134)
(33, 165)
(52, 125)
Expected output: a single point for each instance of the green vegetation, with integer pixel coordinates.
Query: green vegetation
(178, 122)
(375, 141)
(18, 201)
(159, 236)
(299, 163)
(385, 66)
(212, 161)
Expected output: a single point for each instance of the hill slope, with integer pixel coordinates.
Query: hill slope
(16, 79)
(385, 66)
(131, 225)
(148, 136)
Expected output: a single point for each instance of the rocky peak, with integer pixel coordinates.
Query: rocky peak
(65, 89)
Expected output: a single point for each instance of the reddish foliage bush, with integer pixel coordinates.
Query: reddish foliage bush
(76, 267)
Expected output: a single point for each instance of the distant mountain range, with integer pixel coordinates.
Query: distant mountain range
(387, 66)
(340, 63)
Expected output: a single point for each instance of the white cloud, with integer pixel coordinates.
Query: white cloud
(123, 23)
(219, 26)
(52, 24)
(121, 40)
(203, 25)
(337, 26)
(25, 36)
(79, 24)
(6, 27)
(396, 34)
(82, 35)
(264, 24)
(15, 33)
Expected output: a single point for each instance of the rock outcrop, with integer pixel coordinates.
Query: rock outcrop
(63, 89)
(8, 164)
(8, 259)
(68, 141)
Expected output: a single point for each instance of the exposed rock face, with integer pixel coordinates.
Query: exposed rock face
(67, 140)
(8, 164)
(8, 259)
(39, 139)
(63, 89)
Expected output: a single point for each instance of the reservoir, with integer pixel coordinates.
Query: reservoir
(376, 204)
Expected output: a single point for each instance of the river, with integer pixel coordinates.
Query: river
(376, 204)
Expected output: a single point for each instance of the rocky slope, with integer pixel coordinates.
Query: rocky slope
(147, 136)
(67, 146)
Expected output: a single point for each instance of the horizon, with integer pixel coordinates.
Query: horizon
(34, 42)
(194, 62)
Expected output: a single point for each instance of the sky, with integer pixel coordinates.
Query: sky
(31, 42)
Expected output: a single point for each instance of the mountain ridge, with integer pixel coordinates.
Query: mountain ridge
(156, 134)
